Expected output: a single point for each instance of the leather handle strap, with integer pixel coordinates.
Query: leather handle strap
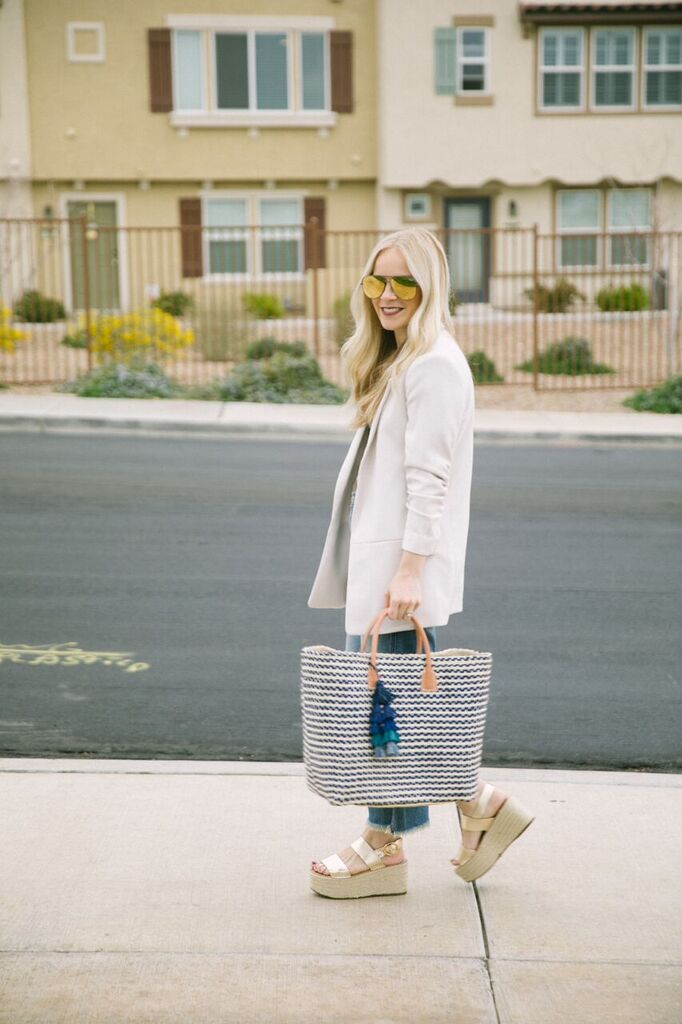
(429, 677)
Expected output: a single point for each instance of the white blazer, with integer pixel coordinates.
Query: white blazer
(412, 494)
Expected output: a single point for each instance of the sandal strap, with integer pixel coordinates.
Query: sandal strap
(335, 866)
(374, 858)
(469, 824)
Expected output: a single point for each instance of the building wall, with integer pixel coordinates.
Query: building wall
(15, 143)
(92, 120)
(427, 137)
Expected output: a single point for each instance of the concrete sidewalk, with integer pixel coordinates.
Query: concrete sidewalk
(176, 892)
(62, 412)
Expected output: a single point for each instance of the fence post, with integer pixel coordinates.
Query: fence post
(535, 307)
(86, 285)
(673, 301)
(314, 243)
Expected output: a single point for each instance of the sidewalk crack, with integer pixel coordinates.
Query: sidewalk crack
(486, 949)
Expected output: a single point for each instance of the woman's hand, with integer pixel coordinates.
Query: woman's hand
(404, 594)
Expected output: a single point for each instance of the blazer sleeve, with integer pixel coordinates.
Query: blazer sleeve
(435, 398)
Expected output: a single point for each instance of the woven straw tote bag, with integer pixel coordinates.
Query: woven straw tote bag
(393, 730)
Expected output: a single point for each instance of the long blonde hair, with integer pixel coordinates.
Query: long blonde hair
(371, 353)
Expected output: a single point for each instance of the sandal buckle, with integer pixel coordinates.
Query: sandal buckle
(389, 848)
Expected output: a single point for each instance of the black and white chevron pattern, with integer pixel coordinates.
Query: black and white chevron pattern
(441, 733)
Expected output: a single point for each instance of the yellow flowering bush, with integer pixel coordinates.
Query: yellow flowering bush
(150, 332)
(9, 335)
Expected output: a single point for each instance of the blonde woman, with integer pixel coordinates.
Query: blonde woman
(399, 524)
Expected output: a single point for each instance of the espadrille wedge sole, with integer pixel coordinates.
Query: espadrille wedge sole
(500, 831)
(380, 880)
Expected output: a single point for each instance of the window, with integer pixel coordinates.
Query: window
(461, 60)
(580, 221)
(472, 60)
(227, 235)
(253, 235)
(614, 67)
(314, 62)
(561, 68)
(189, 75)
(280, 238)
(252, 70)
(629, 213)
(218, 71)
(663, 67)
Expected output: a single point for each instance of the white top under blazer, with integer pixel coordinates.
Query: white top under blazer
(412, 493)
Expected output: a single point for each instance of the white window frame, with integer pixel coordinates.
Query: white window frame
(656, 67)
(610, 231)
(100, 55)
(633, 69)
(567, 232)
(254, 255)
(292, 27)
(174, 69)
(578, 69)
(326, 43)
(460, 60)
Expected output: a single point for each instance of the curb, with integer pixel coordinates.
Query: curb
(274, 431)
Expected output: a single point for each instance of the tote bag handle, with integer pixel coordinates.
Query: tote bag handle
(429, 678)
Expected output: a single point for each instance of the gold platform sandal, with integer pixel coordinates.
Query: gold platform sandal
(500, 831)
(381, 879)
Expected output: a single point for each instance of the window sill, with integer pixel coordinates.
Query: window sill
(485, 100)
(253, 119)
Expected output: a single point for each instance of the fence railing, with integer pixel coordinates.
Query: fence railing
(568, 311)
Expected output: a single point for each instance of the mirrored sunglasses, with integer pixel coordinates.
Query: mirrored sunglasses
(403, 287)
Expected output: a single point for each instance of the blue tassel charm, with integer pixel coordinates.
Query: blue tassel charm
(382, 724)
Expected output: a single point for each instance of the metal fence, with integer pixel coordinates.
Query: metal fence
(571, 311)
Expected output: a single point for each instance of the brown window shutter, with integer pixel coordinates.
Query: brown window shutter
(190, 238)
(314, 206)
(342, 71)
(160, 75)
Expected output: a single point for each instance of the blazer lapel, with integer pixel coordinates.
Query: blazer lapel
(377, 414)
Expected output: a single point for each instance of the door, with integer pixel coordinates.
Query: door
(468, 251)
(103, 261)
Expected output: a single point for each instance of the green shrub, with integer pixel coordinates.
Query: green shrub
(137, 379)
(483, 369)
(555, 299)
(666, 397)
(344, 322)
(453, 301)
(77, 339)
(266, 347)
(628, 297)
(571, 356)
(175, 303)
(282, 378)
(35, 308)
(262, 305)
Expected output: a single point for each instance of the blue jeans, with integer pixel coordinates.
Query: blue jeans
(396, 820)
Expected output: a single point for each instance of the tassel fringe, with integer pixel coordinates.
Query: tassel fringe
(383, 727)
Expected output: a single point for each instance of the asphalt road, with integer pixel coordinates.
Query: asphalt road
(195, 558)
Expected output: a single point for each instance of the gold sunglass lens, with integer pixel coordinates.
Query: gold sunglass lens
(404, 287)
(373, 286)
